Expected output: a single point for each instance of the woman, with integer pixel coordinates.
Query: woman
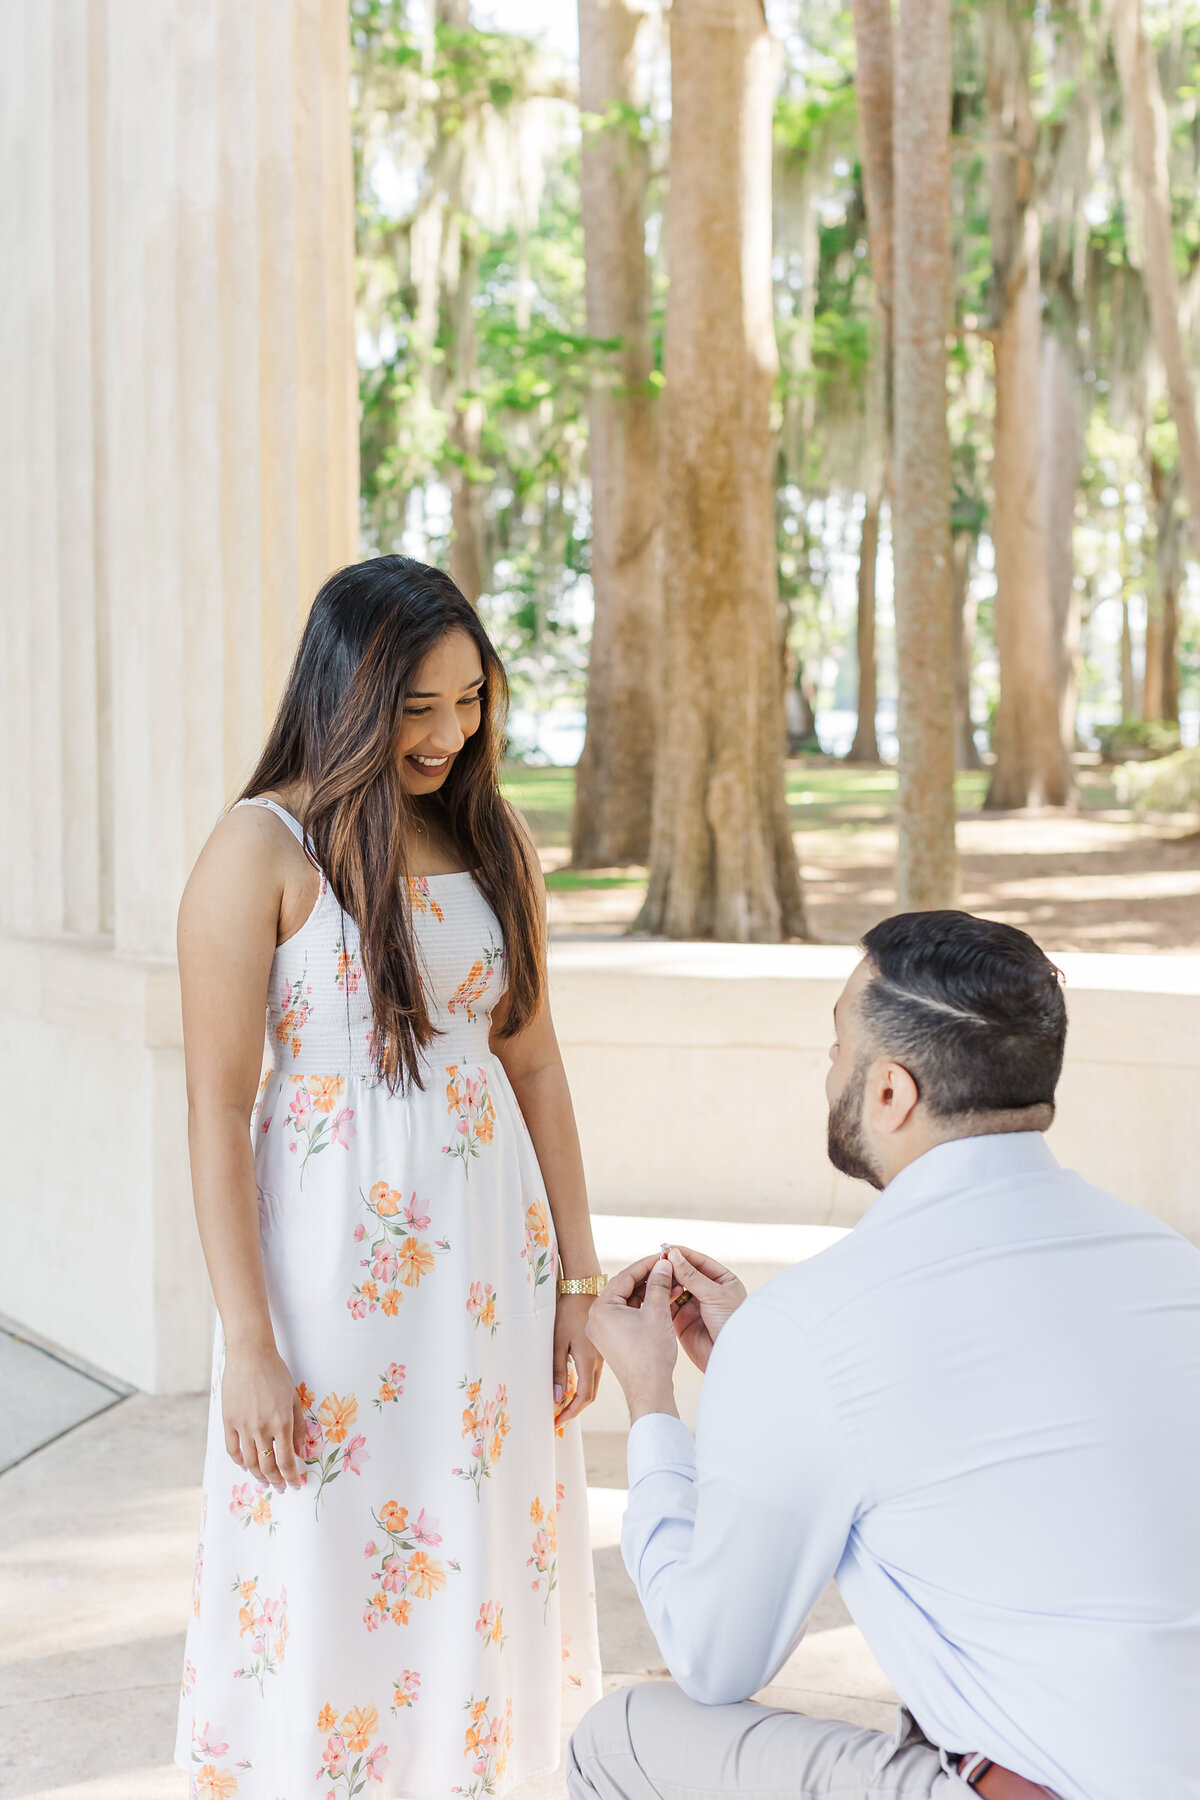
(393, 1585)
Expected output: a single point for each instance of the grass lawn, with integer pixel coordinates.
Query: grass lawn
(842, 798)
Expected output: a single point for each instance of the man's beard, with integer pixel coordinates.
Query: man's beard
(844, 1138)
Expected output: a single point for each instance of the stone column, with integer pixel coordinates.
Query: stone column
(178, 449)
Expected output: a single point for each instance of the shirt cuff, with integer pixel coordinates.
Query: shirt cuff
(658, 1441)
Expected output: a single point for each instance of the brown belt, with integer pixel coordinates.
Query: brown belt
(994, 1783)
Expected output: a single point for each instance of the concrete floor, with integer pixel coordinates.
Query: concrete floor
(97, 1536)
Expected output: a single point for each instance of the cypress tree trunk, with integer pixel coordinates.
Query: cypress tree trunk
(1147, 120)
(865, 747)
(722, 860)
(614, 781)
(927, 863)
(874, 79)
(1032, 767)
(1162, 673)
(966, 755)
(1062, 445)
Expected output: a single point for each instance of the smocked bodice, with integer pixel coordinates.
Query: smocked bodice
(319, 1019)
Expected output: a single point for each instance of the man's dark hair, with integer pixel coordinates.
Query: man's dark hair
(971, 1008)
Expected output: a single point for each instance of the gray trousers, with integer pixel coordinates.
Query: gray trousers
(652, 1743)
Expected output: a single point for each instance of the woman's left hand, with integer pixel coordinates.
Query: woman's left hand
(571, 1340)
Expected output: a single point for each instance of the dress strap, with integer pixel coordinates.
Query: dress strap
(293, 824)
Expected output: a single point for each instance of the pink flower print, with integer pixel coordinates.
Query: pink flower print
(393, 1574)
(300, 1106)
(408, 1689)
(335, 1756)
(481, 1304)
(207, 1743)
(355, 1455)
(358, 1306)
(189, 1678)
(370, 1548)
(342, 1127)
(395, 1373)
(385, 1265)
(414, 1218)
(242, 1503)
(425, 1530)
(360, 1232)
(376, 1763)
(314, 1437)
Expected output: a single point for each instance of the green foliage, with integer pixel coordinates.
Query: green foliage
(1171, 785)
(1144, 738)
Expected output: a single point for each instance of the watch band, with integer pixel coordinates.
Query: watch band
(582, 1284)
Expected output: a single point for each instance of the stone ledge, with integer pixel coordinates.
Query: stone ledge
(85, 985)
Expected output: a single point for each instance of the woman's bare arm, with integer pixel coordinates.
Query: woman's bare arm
(533, 1063)
(228, 925)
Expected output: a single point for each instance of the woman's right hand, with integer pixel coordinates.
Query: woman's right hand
(264, 1423)
(714, 1295)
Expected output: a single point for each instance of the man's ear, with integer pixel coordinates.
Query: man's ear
(890, 1098)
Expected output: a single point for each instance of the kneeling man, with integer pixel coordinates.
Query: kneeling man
(979, 1412)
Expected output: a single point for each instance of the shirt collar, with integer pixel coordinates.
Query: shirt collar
(964, 1163)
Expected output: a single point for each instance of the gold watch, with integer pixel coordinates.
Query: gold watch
(584, 1284)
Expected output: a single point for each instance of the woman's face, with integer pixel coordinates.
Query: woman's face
(442, 711)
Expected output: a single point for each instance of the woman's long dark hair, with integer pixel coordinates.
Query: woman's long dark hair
(370, 628)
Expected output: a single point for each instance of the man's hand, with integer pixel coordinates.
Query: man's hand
(714, 1295)
(630, 1324)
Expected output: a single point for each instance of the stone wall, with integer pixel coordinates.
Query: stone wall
(178, 448)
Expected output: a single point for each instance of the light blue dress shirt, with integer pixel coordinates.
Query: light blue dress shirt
(980, 1413)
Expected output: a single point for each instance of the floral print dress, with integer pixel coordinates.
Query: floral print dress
(411, 1621)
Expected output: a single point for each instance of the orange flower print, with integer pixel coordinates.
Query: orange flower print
(486, 1424)
(405, 1571)
(263, 1622)
(313, 1120)
(325, 1091)
(416, 1259)
(209, 1781)
(391, 1385)
(294, 1009)
(490, 1624)
(251, 1503)
(328, 1450)
(469, 1103)
(337, 1416)
(349, 968)
(384, 1200)
(540, 1254)
(348, 1759)
(421, 900)
(359, 1726)
(407, 1686)
(478, 980)
(543, 1558)
(487, 1742)
(425, 1578)
(395, 1257)
(481, 1304)
(215, 1784)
